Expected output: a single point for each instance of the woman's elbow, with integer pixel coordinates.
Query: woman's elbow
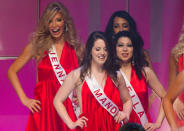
(10, 72)
(55, 102)
(166, 101)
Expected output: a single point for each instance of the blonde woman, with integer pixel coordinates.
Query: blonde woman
(55, 47)
(174, 100)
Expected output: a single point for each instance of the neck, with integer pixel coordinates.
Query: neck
(126, 66)
(60, 41)
(97, 68)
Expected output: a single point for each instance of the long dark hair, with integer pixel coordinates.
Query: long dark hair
(133, 28)
(138, 54)
(86, 62)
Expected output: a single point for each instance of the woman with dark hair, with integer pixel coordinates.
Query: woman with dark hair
(55, 47)
(131, 127)
(129, 59)
(99, 90)
(122, 21)
(174, 100)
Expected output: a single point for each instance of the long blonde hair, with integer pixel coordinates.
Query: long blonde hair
(42, 39)
(178, 50)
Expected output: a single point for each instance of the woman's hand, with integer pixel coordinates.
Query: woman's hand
(32, 104)
(152, 126)
(75, 99)
(81, 122)
(121, 116)
(178, 129)
(179, 108)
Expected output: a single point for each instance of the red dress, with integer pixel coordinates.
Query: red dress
(48, 119)
(98, 118)
(181, 96)
(141, 90)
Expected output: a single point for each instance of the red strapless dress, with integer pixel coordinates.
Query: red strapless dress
(98, 118)
(141, 89)
(48, 119)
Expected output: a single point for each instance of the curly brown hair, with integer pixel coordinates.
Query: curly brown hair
(42, 39)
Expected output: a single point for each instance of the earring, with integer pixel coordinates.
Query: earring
(133, 61)
(66, 28)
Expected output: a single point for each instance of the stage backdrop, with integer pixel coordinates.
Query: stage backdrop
(159, 23)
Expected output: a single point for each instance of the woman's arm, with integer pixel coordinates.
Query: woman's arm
(153, 95)
(173, 70)
(148, 59)
(156, 86)
(172, 94)
(178, 105)
(25, 56)
(69, 84)
(125, 97)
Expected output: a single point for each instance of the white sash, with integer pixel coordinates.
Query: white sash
(100, 96)
(60, 74)
(137, 106)
(58, 69)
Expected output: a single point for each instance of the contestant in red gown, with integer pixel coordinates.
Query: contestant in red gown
(98, 118)
(140, 87)
(181, 68)
(181, 96)
(55, 29)
(128, 57)
(48, 119)
(95, 117)
(174, 100)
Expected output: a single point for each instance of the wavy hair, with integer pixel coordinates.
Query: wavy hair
(86, 62)
(139, 58)
(42, 39)
(178, 50)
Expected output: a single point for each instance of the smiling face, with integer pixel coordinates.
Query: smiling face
(99, 52)
(56, 26)
(120, 24)
(124, 49)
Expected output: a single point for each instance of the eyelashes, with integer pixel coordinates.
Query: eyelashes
(59, 19)
(98, 49)
(123, 25)
(122, 45)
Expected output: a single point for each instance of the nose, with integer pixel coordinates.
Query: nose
(103, 52)
(125, 48)
(120, 28)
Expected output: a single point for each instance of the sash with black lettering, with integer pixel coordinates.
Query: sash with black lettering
(60, 74)
(137, 106)
(100, 96)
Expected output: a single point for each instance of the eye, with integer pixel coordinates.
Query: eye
(116, 26)
(119, 45)
(130, 45)
(105, 49)
(59, 19)
(97, 49)
(125, 25)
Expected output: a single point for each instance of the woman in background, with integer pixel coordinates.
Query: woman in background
(130, 61)
(122, 21)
